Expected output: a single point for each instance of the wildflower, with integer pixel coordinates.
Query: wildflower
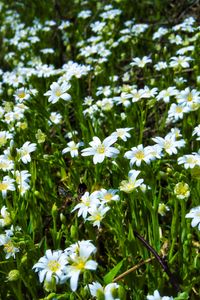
(182, 190)
(21, 95)
(176, 112)
(100, 150)
(97, 214)
(72, 148)
(108, 195)
(141, 62)
(169, 143)
(9, 248)
(4, 136)
(123, 99)
(5, 218)
(131, 184)
(180, 61)
(162, 209)
(197, 132)
(195, 215)
(161, 65)
(7, 184)
(166, 94)
(188, 97)
(137, 155)
(107, 292)
(122, 133)
(55, 118)
(25, 150)
(78, 262)
(58, 91)
(87, 200)
(189, 160)
(51, 265)
(156, 296)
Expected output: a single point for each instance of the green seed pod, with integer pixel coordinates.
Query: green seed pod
(54, 210)
(13, 275)
(73, 232)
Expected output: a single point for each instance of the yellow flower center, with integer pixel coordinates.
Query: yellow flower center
(21, 95)
(79, 265)
(191, 160)
(2, 140)
(58, 93)
(108, 197)
(3, 186)
(8, 247)
(179, 109)
(139, 155)
(101, 149)
(189, 97)
(53, 265)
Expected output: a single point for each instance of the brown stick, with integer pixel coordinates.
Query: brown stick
(133, 269)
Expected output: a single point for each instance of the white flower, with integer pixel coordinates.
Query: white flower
(97, 214)
(189, 160)
(137, 155)
(182, 190)
(166, 94)
(96, 289)
(78, 262)
(87, 200)
(9, 248)
(156, 296)
(122, 133)
(108, 195)
(5, 218)
(131, 184)
(55, 118)
(58, 91)
(180, 61)
(7, 184)
(51, 265)
(195, 215)
(100, 150)
(25, 150)
(197, 132)
(72, 148)
(141, 62)
(169, 143)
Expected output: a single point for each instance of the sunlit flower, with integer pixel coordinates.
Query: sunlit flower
(97, 213)
(25, 150)
(107, 292)
(137, 155)
(8, 245)
(180, 61)
(122, 133)
(78, 262)
(86, 201)
(5, 218)
(100, 150)
(196, 131)
(169, 143)
(72, 148)
(58, 91)
(51, 265)
(141, 62)
(132, 183)
(7, 184)
(195, 215)
(108, 195)
(156, 296)
(189, 160)
(182, 190)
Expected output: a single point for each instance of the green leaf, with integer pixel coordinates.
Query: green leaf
(111, 275)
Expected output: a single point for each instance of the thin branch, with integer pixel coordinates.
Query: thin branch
(134, 268)
(163, 263)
